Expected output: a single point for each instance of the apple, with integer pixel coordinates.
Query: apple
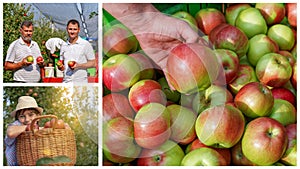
(152, 126)
(282, 35)
(57, 123)
(182, 124)
(283, 93)
(291, 12)
(144, 92)
(284, 112)
(47, 124)
(289, 56)
(273, 70)
(226, 36)
(294, 51)
(120, 72)
(220, 126)
(116, 105)
(147, 68)
(39, 59)
(191, 67)
(71, 63)
(30, 58)
(60, 63)
(187, 17)
(118, 39)
(264, 141)
(203, 157)
(118, 140)
(290, 155)
(172, 95)
(233, 11)
(213, 96)
(168, 154)
(254, 99)
(294, 76)
(272, 12)
(260, 45)
(245, 75)
(237, 156)
(208, 18)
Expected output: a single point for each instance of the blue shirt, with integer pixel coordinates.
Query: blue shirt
(11, 147)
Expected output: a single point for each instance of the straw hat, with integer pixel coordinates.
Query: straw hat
(25, 102)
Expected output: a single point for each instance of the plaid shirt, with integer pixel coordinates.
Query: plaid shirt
(11, 146)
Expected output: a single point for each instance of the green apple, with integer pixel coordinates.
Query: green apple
(284, 112)
(282, 35)
(290, 155)
(272, 12)
(29, 58)
(187, 17)
(233, 11)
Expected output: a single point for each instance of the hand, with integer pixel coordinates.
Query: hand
(24, 62)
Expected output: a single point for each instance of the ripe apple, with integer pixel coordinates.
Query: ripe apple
(187, 17)
(47, 124)
(285, 94)
(282, 35)
(144, 92)
(294, 76)
(116, 105)
(284, 112)
(39, 59)
(290, 155)
(146, 66)
(226, 36)
(60, 63)
(273, 70)
(209, 18)
(168, 154)
(254, 100)
(120, 72)
(152, 125)
(233, 11)
(57, 124)
(291, 12)
(182, 124)
(272, 12)
(191, 67)
(203, 157)
(289, 56)
(118, 140)
(220, 126)
(172, 95)
(30, 58)
(118, 39)
(264, 141)
(71, 63)
(237, 156)
(260, 45)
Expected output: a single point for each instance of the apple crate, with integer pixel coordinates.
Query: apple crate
(48, 146)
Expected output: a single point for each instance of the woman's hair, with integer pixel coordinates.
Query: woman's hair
(20, 112)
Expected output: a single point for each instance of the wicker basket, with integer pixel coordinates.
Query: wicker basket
(48, 142)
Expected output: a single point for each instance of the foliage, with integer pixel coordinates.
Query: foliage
(60, 101)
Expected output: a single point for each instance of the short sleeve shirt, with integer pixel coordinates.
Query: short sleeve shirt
(81, 52)
(16, 52)
(11, 147)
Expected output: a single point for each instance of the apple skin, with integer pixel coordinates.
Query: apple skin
(237, 156)
(273, 70)
(117, 39)
(30, 59)
(233, 11)
(116, 105)
(172, 95)
(191, 67)
(203, 157)
(144, 92)
(39, 59)
(120, 72)
(290, 155)
(168, 154)
(291, 10)
(209, 18)
(264, 141)
(182, 124)
(282, 35)
(146, 66)
(285, 94)
(284, 112)
(272, 12)
(187, 17)
(226, 36)
(294, 76)
(220, 126)
(60, 63)
(289, 56)
(254, 100)
(152, 126)
(118, 140)
(260, 45)
(71, 63)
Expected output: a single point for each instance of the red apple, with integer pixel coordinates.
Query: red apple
(233, 11)
(144, 92)
(290, 155)
(237, 156)
(116, 105)
(282, 35)
(39, 59)
(209, 18)
(272, 12)
(146, 66)
(273, 70)
(294, 76)
(71, 63)
(187, 17)
(168, 154)
(225, 36)
(191, 67)
(264, 141)
(120, 72)
(152, 126)
(285, 94)
(291, 12)
(284, 112)
(220, 126)
(60, 63)
(117, 39)
(47, 124)
(289, 56)
(254, 100)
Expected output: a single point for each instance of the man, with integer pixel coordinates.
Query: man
(78, 50)
(18, 60)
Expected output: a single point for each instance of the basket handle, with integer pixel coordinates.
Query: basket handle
(42, 117)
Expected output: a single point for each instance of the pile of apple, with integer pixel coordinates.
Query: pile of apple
(230, 102)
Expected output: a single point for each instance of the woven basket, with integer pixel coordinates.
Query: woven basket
(48, 142)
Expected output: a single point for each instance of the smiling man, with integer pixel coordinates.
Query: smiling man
(77, 51)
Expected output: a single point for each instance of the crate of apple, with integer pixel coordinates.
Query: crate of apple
(231, 102)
